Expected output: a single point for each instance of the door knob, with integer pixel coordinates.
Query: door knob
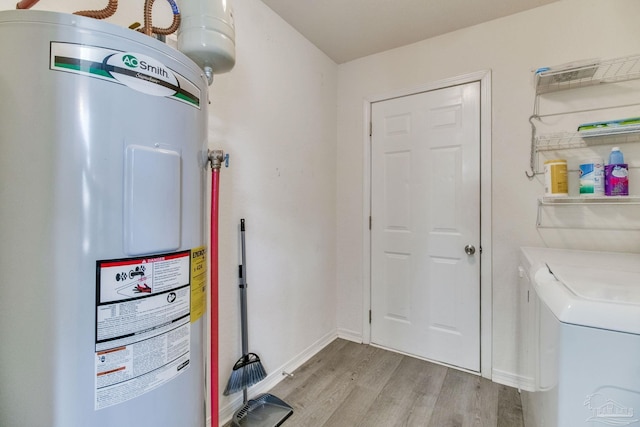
(470, 249)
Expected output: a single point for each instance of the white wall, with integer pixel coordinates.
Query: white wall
(511, 47)
(275, 114)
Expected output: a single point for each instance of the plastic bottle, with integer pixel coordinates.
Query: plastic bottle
(592, 177)
(616, 157)
(616, 175)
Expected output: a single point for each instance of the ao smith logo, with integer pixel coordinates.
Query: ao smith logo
(143, 73)
(132, 62)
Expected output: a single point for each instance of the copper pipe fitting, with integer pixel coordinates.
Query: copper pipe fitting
(100, 14)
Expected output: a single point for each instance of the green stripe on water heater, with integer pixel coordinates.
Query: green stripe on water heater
(82, 66)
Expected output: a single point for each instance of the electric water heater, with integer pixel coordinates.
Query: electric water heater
(103, 140)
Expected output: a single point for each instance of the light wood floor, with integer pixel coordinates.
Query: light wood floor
(348, 385)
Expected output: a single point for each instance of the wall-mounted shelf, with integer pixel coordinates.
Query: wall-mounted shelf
(568, 140)
(596, 133)
(598, 201)
(591, 200)
(576, 140)
(588, 73)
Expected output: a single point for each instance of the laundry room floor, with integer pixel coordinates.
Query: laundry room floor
(348, 384)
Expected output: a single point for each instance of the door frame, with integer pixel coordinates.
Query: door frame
(486, 260)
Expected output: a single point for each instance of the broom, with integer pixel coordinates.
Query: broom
(248, 370)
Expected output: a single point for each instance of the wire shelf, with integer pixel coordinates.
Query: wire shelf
(572, 140)
(586, 201)
(590, 200)
(588, 74)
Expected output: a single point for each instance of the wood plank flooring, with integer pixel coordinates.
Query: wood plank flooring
(348, 385)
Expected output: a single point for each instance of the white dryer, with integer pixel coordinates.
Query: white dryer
(586, 338)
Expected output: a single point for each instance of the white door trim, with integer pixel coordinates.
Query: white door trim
(486, 300)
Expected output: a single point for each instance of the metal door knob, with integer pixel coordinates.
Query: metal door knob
(470, 249)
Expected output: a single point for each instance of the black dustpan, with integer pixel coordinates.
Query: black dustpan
(265, 410)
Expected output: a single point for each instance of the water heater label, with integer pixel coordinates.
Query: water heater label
(143, 312)
(134, 70)
(198, 282)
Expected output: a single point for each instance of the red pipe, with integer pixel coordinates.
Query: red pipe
(213, 385)
(26, 4)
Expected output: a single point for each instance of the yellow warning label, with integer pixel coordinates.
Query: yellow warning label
(198, 282)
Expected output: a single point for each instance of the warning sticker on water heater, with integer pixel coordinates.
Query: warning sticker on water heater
(198, 283)
(143, 327)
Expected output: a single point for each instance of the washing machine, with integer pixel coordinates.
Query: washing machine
(585, 342)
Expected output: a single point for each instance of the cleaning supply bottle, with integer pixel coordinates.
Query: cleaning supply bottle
(591, 175)
(616, 175)
(616, 157)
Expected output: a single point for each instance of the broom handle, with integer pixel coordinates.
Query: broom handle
(243, 293)
(242, 280)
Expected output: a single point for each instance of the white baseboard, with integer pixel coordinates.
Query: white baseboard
(350, 335)
(512, 380)
(227, 411)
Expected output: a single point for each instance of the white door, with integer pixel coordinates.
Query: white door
(425, 207)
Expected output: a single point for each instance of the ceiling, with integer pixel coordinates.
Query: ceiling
(350, 29)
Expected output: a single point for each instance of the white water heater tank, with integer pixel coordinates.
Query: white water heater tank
(207, 34)
(103, 139)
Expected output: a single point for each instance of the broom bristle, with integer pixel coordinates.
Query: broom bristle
(246, 372)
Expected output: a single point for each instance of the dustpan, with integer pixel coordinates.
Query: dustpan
(248, 370)
(265, 410)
